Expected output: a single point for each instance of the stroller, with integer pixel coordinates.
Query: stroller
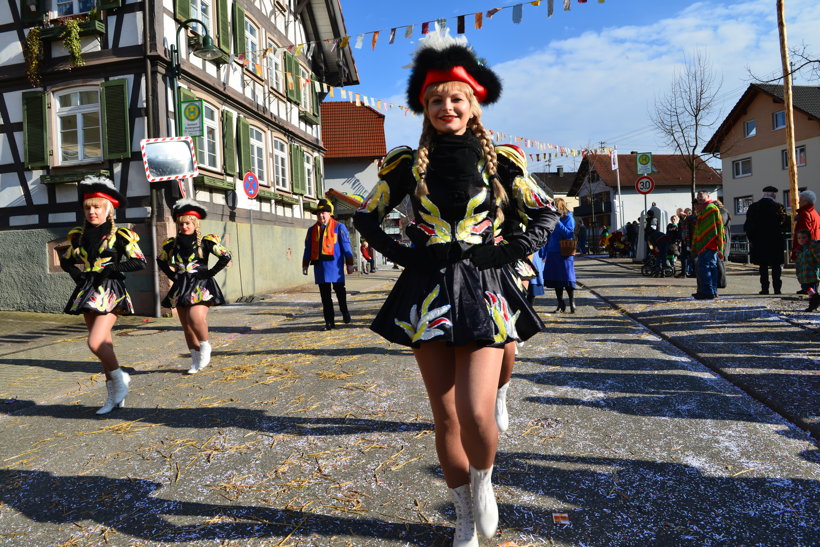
(660, 261)
(617, 246)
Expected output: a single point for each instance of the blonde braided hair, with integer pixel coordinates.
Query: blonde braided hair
(474, 125)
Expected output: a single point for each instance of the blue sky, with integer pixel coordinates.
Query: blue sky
(586, 75)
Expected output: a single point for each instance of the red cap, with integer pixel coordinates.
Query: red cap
(454, 74)
(191, 212)
(113, 201)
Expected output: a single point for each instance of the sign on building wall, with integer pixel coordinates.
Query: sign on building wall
(192, 118)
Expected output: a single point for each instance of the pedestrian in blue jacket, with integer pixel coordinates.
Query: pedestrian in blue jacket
(327, 247)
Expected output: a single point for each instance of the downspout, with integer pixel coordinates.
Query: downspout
(149, 133)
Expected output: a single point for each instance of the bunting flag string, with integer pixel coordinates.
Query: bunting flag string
(479, 19)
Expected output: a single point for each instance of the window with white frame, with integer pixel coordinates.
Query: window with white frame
(306, 87)
(742, 204)
(73, 7)
(275, 74)
(749, 128)
(201, 9)
(258, 154)
(78, 126)
(742, 168)
(280, 164)
(799, 157)
(251, 44)
(779, 120)
(310, 186)
(207, 145)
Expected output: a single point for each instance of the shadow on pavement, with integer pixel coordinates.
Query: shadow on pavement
(131, 507)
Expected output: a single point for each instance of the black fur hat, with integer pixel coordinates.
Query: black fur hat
(442, 58)
(187, 206)
(324, 205)
(94, 186)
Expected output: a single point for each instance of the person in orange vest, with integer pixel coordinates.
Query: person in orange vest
(327, 248)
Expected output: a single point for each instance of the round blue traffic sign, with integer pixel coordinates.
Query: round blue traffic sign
(251, 185)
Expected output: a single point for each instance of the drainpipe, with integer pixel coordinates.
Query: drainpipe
(149, 133)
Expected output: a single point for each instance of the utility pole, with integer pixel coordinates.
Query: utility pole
(787, 99)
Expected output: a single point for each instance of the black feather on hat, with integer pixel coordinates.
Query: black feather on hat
(324, 205)
(186, 206)
(94, 186)
(442, 58)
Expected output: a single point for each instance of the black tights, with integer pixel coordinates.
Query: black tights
(327, 301)
(559, 292)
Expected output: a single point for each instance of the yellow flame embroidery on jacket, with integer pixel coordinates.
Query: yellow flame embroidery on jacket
(468, 229)
(432, 218)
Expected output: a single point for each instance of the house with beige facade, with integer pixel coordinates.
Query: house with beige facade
(751, 144)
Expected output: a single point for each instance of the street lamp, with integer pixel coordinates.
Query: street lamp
(207, 51)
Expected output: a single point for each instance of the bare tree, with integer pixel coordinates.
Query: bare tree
(688, 109)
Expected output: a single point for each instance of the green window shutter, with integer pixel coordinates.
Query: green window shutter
(314, 96)
(29, 15)
(238, 29)
(292, 67)
(318, 176)
(182, 9)
(301, 176)
(188, 95)
(228, 143)
(244, 130)
(295, 170)
(35, 129)
(115, 122)
(223, 26)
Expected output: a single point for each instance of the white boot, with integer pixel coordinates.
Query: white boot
(465, 535)
(502, 419)
(485, 508)
(117, 388)
(195, 360)
(204, 354)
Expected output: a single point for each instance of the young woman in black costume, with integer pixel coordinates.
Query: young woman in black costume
(105, 253)
(456, 303)
(184, 259)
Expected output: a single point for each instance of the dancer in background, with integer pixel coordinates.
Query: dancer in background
(105, 252)
(184, 259)
(455, 303)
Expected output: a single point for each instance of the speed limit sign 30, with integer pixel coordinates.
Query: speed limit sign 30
(644, 185)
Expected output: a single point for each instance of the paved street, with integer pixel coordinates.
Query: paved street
(647, 417)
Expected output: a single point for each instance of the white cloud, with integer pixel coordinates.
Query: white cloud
(603, 84)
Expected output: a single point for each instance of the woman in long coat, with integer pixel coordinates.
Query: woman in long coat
(559, 271)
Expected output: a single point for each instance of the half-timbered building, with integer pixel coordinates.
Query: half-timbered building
(83, 81)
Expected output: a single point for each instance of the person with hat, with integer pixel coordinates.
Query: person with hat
(184, 259)
(105, 252)
(327, 248)
(766, 226)
(456, 303)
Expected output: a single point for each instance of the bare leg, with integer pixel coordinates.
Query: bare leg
(100, 341)
(507, 363)
(437, 365)
(198, 321)
(185, 320)
(477, 372)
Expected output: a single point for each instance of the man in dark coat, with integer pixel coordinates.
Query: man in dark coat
(766, 225)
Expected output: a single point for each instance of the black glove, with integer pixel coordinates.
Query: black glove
(412, 257)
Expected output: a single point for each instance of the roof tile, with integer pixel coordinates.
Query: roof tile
(350, 131)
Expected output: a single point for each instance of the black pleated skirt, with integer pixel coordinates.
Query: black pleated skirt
(189, 291)
(458, 304)
(107, 296)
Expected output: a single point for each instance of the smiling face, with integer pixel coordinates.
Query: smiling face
(96, 210)
(449, 107)
(187, 224)
(323, 217)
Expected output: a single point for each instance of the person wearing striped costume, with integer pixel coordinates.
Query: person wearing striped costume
(708, 243)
